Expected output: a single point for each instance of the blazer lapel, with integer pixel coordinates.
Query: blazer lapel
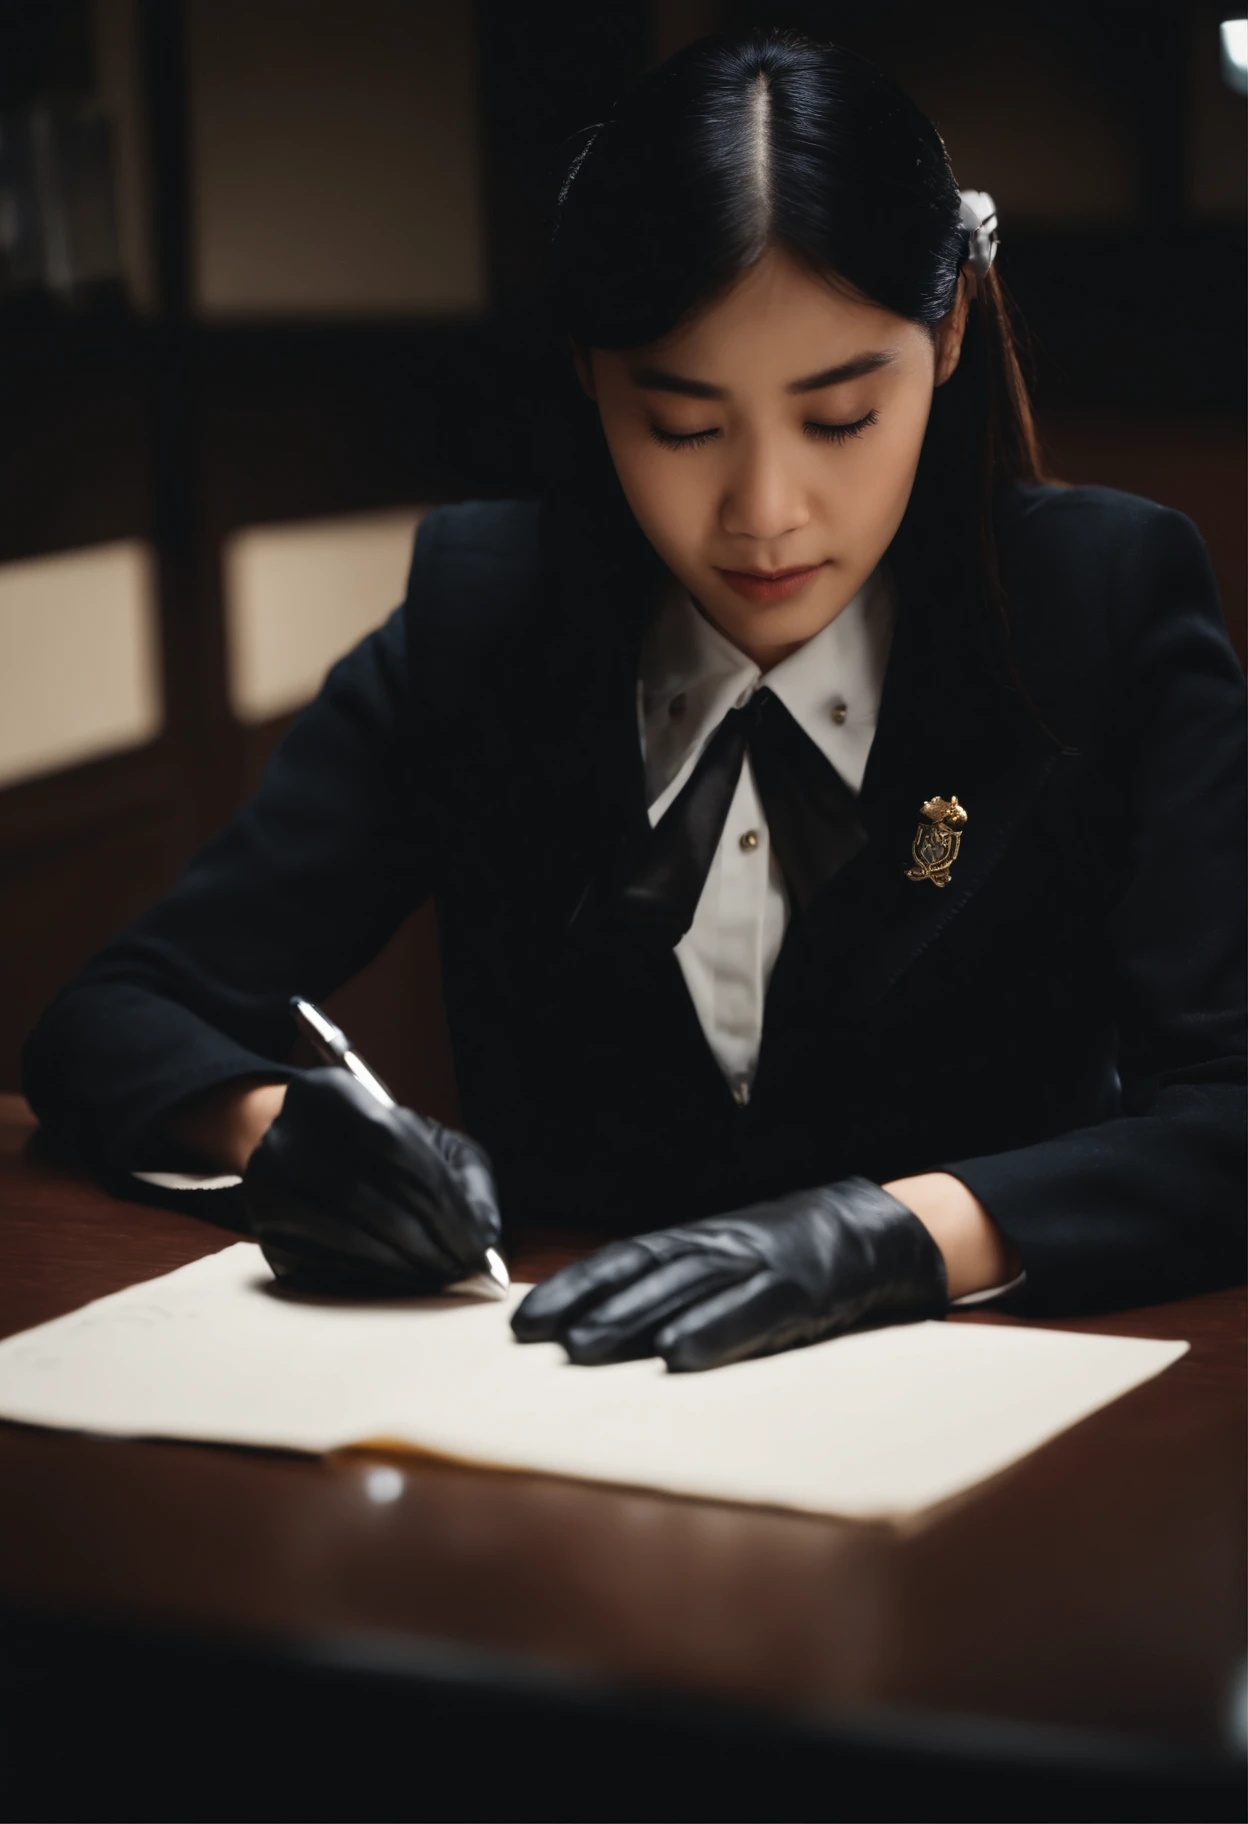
(945, 727)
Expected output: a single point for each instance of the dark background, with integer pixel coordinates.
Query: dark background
(328, 221)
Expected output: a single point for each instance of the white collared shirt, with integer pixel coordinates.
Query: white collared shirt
(691, 675)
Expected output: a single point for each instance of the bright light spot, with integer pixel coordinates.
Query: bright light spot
(383, 1484)
(1234, 34)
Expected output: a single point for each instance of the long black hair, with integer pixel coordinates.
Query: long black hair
(767, 138)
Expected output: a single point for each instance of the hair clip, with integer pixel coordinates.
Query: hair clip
(979, 218)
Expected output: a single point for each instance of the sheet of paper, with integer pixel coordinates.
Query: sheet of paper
(878, 1424)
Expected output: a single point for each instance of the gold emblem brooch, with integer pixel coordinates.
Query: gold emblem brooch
(936, 841)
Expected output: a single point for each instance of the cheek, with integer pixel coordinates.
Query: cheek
(906, 441)
(664, 492)
(878, 477)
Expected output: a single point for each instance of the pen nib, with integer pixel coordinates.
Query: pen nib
(490, 1281)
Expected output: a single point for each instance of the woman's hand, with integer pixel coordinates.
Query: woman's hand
(748, 1283)
(345, 1195)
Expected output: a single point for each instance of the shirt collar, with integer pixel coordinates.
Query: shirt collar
(691, 675)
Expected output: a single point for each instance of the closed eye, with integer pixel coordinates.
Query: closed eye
(826, 433)
(841, 433)
(689, 441)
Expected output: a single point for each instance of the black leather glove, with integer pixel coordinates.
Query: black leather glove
(345, 1195)
(747, 1283)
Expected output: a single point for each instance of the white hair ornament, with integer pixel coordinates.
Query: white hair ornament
(979, 218)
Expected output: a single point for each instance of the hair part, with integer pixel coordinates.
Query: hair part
(760, 122)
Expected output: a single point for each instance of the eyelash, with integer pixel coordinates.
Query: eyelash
(826, 433)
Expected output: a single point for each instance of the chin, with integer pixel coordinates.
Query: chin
(781, 624)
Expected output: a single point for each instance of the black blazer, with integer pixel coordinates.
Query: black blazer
(1061, 1027)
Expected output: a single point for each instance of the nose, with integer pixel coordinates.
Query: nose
(764, 498)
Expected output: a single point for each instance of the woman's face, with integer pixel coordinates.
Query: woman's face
(779, 431)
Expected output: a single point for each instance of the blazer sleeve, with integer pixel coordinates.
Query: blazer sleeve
(300, 890)
(1149, 1204)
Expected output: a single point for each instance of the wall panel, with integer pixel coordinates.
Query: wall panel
(79, 658)
(335, 158)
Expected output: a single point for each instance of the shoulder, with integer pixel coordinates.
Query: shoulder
(475, 538)
(1098, 545)
(473, 617)
(1089, 528)
(1088, 567)
(474, 587)
(1099, 583)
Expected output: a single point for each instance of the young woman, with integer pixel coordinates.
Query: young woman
(835, 826)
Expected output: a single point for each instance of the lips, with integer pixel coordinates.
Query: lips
(771, 585)
(774, 576)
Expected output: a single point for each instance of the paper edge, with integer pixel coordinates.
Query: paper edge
(900, 1520)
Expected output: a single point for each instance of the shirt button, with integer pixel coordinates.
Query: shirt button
(839, 711)
(749, 840)
(678, 704)
(740, 1091)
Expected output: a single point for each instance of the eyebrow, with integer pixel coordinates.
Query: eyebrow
(660, 380)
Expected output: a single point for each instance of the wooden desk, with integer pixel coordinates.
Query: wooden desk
(1095, 1588)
